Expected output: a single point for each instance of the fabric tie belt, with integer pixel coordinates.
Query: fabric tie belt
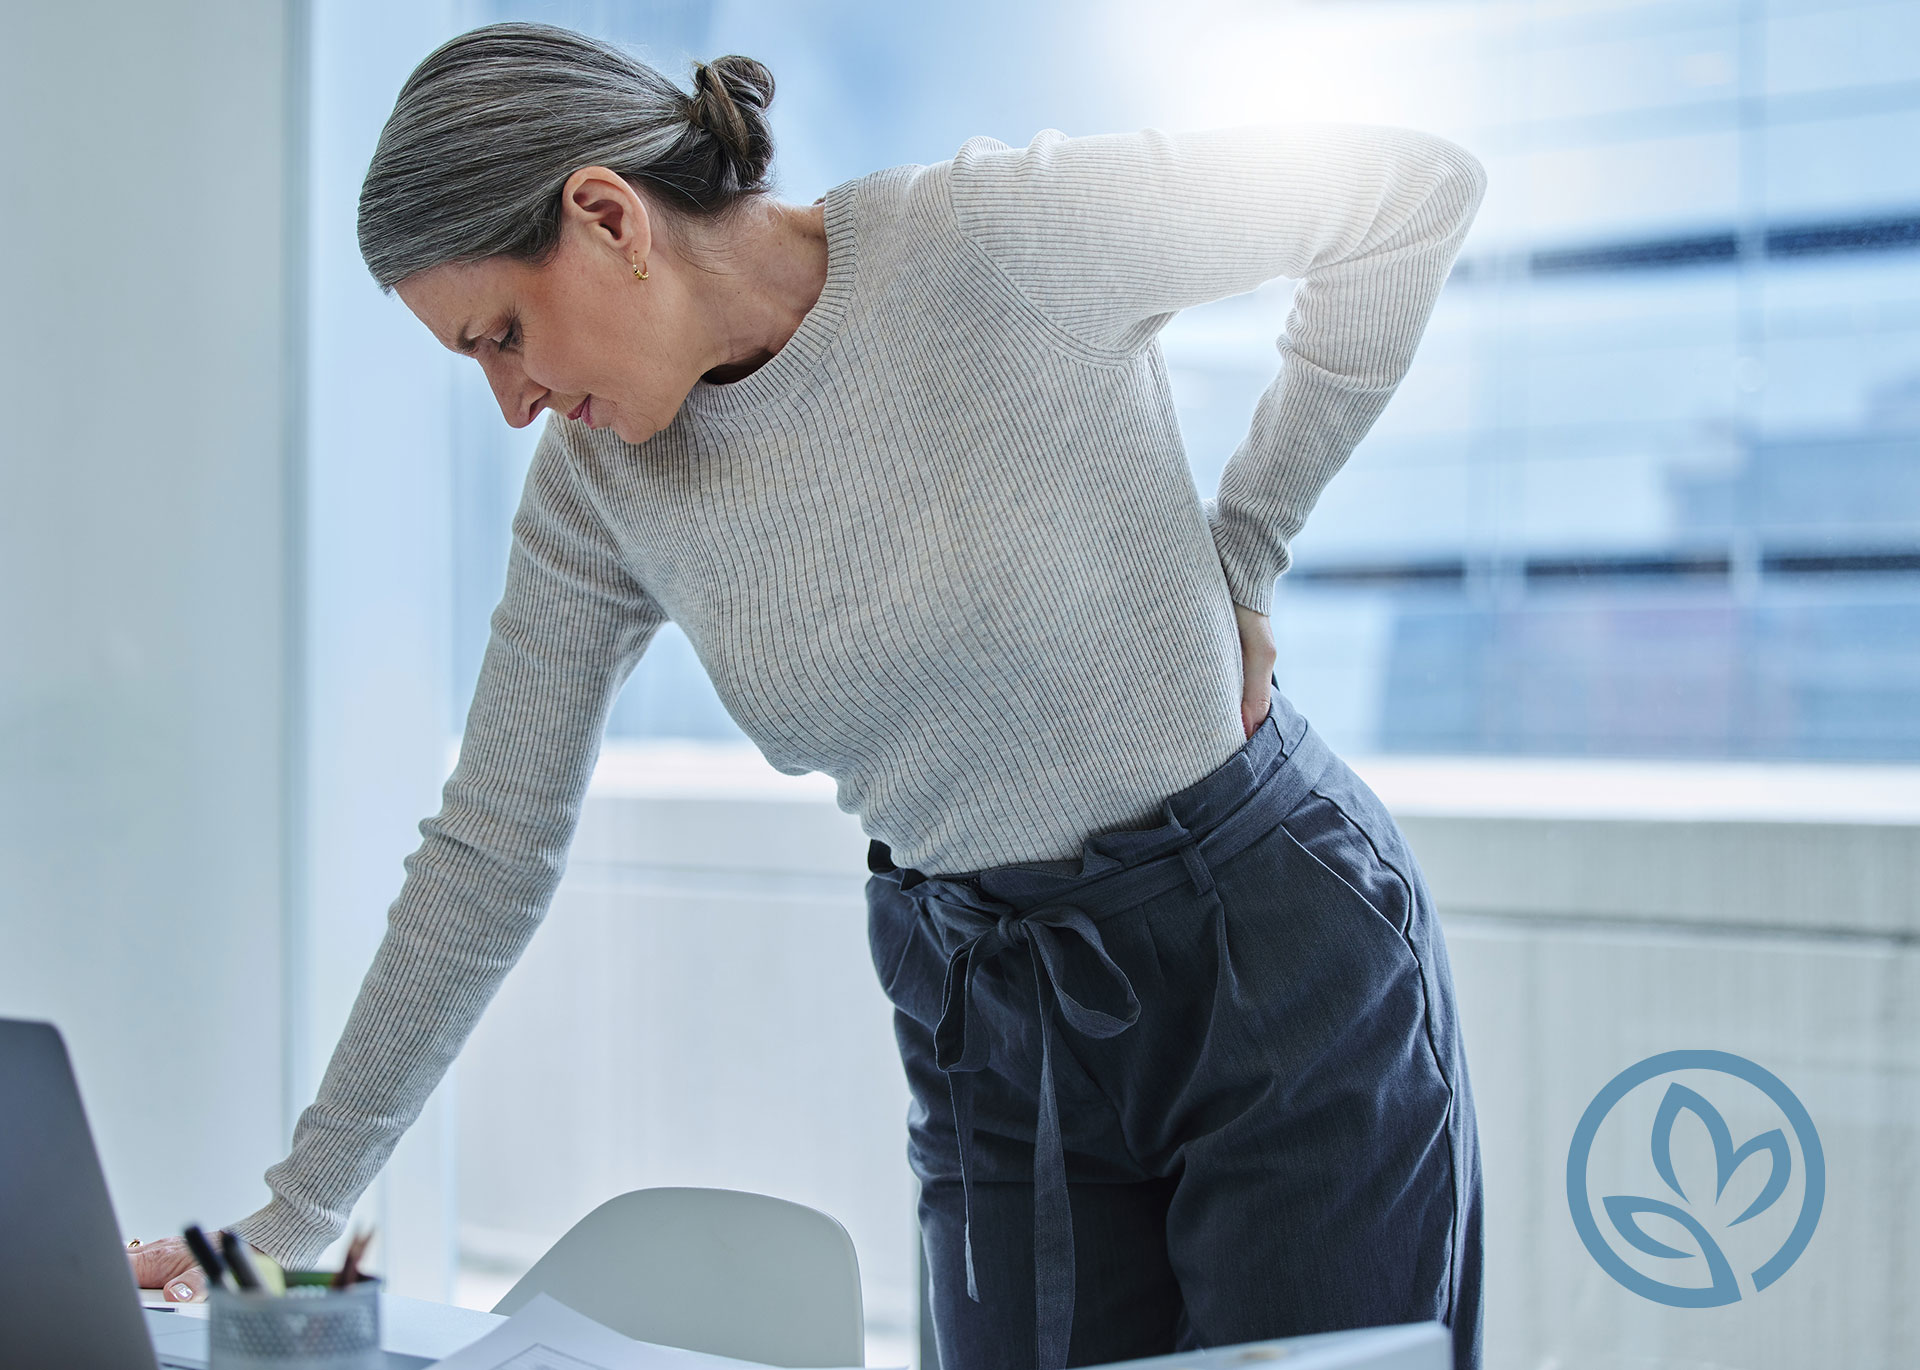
(1073, 973)
(1054, 936)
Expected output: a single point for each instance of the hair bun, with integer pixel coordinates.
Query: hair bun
(730, 99)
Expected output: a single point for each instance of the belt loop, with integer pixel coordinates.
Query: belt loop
(1189, 852)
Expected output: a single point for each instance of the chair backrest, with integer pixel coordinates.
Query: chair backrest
(714, 1270)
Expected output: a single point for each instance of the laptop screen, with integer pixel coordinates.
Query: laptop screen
(70, 1297)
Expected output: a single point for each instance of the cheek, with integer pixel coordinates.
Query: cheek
(575, 344)
(608, 343)
(659, 353)
(554, 363)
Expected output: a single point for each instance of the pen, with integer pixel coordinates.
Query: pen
(349, 1272)
(204, 1253)
(238, 1261)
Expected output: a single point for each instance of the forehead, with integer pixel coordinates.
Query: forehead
(462, 301)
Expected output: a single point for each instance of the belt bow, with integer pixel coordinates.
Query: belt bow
(1063, 943)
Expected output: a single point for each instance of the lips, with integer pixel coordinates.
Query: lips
(584, 409)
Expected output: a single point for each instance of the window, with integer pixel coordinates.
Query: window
(1651, 486)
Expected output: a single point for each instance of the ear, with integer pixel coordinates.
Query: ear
(606, 212)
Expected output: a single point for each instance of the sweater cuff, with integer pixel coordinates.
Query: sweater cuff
(1249, 558)
(284, 1232)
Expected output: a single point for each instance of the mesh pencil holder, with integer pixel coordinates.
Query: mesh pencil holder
(303, 1329)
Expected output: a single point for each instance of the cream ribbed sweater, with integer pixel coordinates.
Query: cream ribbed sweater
(944, 546)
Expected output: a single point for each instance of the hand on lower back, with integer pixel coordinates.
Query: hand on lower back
(1257, 656)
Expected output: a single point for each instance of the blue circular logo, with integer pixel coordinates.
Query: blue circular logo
(1624, 1211)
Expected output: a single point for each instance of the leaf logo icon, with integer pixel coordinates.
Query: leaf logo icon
(1623, 1209)
(1626, 1212)
(1726, 1160)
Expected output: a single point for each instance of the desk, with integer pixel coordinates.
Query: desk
(412, 1327)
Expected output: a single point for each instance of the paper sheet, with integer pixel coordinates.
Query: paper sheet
(548, 1335)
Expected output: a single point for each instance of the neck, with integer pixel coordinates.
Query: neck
(776, 267)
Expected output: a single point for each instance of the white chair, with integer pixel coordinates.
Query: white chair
(714, 1270)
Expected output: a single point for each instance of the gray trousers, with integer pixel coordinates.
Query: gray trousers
(1202, 1085)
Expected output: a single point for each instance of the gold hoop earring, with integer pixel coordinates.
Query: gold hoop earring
(639, 272)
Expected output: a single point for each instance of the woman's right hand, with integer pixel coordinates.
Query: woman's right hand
(1257, 655)
(167, 1265)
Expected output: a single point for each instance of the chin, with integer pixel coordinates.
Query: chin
(632, 431)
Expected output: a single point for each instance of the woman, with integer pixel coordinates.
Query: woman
(904, 466)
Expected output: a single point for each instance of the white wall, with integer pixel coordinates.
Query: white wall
(144, 630)
(224, 514)
(1584, 944)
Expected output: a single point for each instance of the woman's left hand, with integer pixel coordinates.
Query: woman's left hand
(167, 1264)
(1257, 656)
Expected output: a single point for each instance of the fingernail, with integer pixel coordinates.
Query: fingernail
(182, 1293)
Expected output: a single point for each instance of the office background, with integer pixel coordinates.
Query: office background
(1618, 607)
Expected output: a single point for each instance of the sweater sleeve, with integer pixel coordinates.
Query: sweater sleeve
(569, 629)
(1107, 236)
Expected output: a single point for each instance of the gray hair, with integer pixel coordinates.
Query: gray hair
(488, 128)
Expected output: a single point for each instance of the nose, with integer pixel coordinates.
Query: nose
(516, 395)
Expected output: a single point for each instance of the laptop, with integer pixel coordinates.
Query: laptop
(70, 1299)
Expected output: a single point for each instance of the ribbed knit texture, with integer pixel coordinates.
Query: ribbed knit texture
(944, 546)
